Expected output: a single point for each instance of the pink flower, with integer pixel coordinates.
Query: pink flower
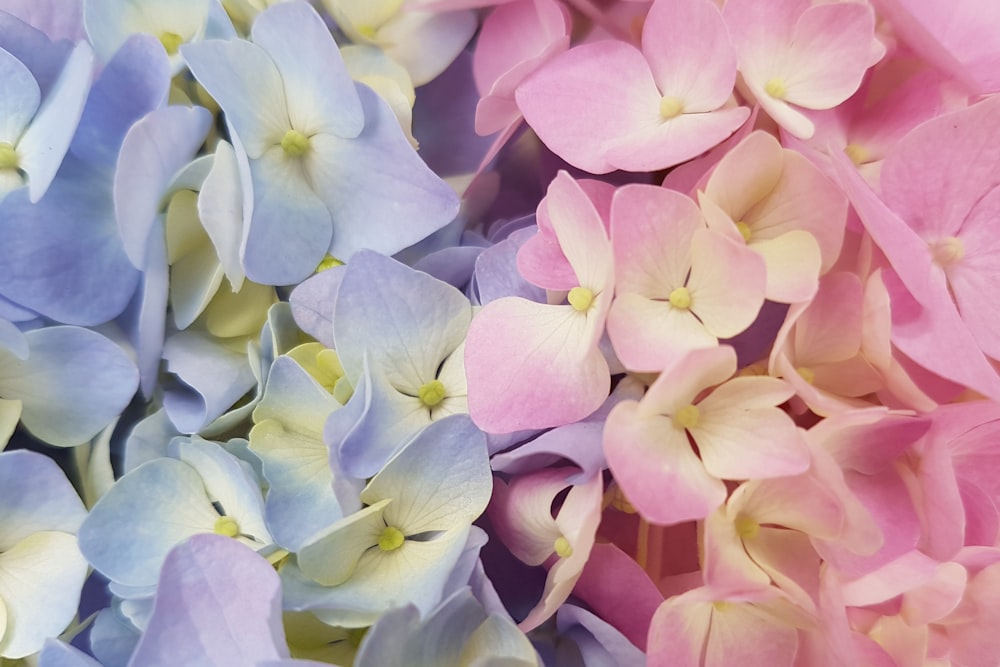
(735, 423)
(678, 286)
(535, 365)
(795, 54)
(607, 105)
(783, 208)
(522, 516)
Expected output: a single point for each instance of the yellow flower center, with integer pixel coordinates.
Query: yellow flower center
(687, 417)
(8, 156)
(171, 42)
(431, 393)
(857, 154)
(947, 251)
(746, 527)
(327, 262)
(671, 107)
(294, 143)
(563, 547)
(390, 539)
(581, 298)
(680, 298)
(367, 31)
(808, 374)
(744, 230)
(776, 88)
(226, 525)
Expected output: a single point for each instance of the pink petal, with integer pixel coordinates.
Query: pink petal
(656, 468)
(747, 174)
(793, 264)
(687, 46)
(935, 176)
(514, 40)
(727, 284)
(587, 97)
(960, 39)
(679, 384)
(660, 144)
(541, 259)
(520, 513)
(974, 278)
(742, 435)
(831, 49)
(648, 335)
(651, 232)
(530, 365)
(678, 632)
(577, 519)
(581, 233)
(619, 591)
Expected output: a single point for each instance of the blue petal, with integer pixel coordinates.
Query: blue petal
(290, 228)
(34, 496)
(381, 193)
(73, 383)
(43, 58)
(243, 79)
(320, 93)
(132, 84)
(155, 149)
(142, 517)
(19, 100)
(57, 654)
(47, 139)
(213, 378)
(407, 321)
(62, 257)
(313, 303)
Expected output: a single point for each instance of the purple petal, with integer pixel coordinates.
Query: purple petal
(218, 603)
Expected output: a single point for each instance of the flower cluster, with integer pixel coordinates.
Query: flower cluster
(499, 332)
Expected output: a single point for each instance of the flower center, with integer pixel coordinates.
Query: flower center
(744, 230)
(329, 261)
(390, 539)
(746, 527)
(581, 298)
(776, 88)
(808, 374)
(947, 251)
(563, 547)
(671, 107)
(8, 156)
(226, 525)
(687, 417)
(171, 42)
(857, 154)
(680, 298)
(294, 143)
(431, 393)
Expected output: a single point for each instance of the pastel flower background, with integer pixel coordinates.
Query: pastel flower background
(499, 332)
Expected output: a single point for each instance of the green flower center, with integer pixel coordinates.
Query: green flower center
(390, 539)
(563, 548)
(671, 107)
(581, 298)
(687, 417)
(171, 42)
(8, 156)
(294, 143)
(431, 393)
(680, 298)
(226, 525)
